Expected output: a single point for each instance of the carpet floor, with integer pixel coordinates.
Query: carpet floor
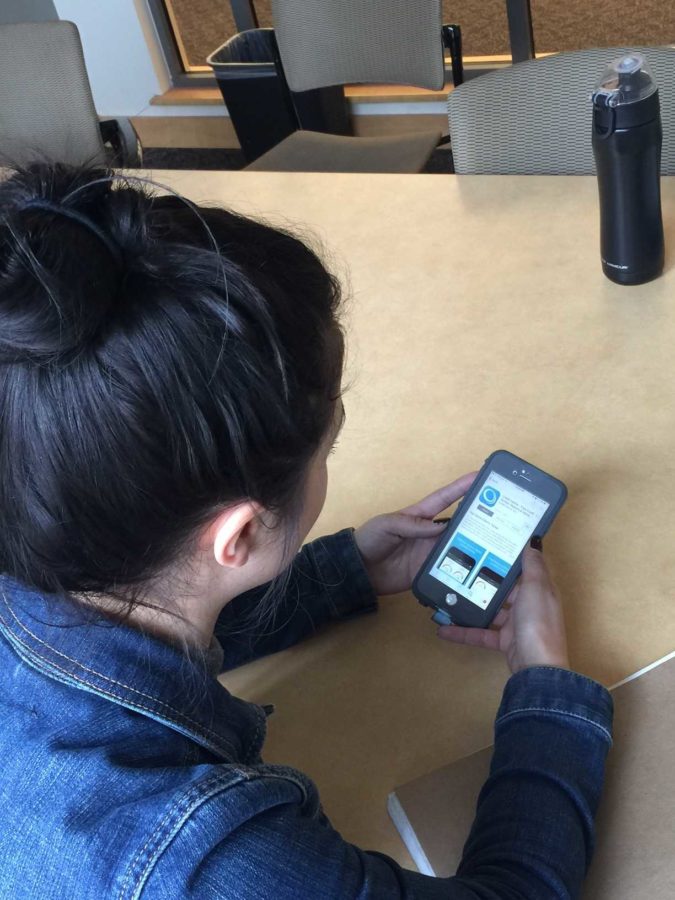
(198, 158)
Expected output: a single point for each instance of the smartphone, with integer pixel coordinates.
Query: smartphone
(477, 559)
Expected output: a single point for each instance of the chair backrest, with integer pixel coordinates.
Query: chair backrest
(330, 42)
(535, 117)
(46, 107)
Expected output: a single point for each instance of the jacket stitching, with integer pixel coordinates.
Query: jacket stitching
(201, 731)
(202, 799)
(255, 740)
(195, 797)
(155, 836)
(591, 681)
(94, 672)
(135, 703)
(183, 807)
(557, 712)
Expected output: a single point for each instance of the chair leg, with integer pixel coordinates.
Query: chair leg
(281, 75)
(452, 40)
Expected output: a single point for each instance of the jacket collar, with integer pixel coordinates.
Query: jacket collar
(78, 646)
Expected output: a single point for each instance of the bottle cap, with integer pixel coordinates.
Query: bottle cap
(625, 80)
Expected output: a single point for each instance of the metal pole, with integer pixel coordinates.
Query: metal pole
(520, 29)
(244, 14)
(452, 39)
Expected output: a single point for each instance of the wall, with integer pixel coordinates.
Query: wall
(26, 11)
(125, 65)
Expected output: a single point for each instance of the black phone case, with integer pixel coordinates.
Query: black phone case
(515, 572)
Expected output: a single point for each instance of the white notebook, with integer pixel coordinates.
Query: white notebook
(635, 850)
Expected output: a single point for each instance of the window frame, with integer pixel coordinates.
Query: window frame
(169, 38)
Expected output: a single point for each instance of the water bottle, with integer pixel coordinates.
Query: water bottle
(627, 150)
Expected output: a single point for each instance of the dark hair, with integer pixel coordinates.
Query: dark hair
(158, 361)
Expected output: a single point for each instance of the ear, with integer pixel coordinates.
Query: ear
(232, 534)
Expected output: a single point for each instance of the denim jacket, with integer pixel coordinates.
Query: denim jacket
(129, 771)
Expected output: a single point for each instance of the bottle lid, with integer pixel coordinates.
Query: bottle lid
(625, 80)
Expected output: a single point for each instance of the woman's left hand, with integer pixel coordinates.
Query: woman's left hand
(394, 546)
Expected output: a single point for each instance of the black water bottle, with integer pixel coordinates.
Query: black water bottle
(627, 150)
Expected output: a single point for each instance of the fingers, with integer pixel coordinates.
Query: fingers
(501, 618)
(538, 622)
(404, 525)
(474, 637)
(434, 503)
(511, 599)
(534, 567)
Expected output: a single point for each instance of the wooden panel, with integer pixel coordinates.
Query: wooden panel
(374, 93)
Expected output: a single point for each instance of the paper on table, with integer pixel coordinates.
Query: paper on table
(635, 853)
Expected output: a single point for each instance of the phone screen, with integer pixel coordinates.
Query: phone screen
(489, 538)
(484, 586)
(457, 564)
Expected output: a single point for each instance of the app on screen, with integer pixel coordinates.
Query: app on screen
(489, 539)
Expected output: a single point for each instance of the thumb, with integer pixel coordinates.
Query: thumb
(407, 526)
(534, 566)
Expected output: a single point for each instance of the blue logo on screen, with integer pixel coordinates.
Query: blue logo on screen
(489, 496)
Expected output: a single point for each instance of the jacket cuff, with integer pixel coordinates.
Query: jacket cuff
(343, 577)
(548, 690)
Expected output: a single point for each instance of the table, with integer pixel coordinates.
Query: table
(479, 318)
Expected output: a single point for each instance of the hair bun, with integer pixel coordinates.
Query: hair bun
(59, 269)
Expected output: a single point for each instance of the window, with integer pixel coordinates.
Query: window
(192, 29)
(200, 26)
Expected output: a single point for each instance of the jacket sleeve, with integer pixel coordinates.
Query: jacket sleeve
(533, 834)
(532, 838)
(327, 581)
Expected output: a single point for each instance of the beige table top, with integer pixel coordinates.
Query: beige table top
(479, 319)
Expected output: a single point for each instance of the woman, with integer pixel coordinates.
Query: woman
(170, 384)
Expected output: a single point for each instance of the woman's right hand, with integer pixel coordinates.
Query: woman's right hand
(529, 629)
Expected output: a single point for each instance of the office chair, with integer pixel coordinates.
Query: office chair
(535, 117)
(324, 43)
(46, 107)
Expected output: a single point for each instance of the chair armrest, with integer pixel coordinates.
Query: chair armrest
(120, 135)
